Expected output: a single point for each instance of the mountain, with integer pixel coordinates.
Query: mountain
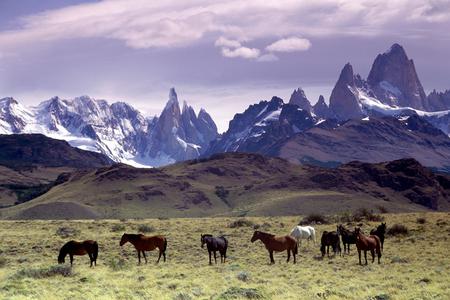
(322, 110)
(262, 126)
(238, 184)
(439, 101)
(394, 80)
(117, 130)
(298, 98)
(31, 164)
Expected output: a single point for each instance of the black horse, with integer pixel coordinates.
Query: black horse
(380, 232)
(330, 239)
(348, 237)
(214, 244)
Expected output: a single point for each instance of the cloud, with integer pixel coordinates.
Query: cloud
(224, 42)
(291, 44)
(174, 23)
(243, 52)
(268, 58)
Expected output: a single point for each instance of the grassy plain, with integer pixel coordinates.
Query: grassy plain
(414, 266)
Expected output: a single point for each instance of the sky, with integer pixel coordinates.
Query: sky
(219, 55)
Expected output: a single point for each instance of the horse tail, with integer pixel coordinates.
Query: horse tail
(95, 253)
(164, 246)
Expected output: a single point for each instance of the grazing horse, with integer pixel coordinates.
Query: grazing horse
(144, 243)
(367, 243)
(303, 232)
(330, 238)
(348, 237)
(277, 244)
(72, 248)
(380, 232)
(214, 244)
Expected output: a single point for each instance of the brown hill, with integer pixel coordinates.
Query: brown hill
(240, 184)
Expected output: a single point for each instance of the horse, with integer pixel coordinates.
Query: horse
(380, 231)
(144, 243)
(348, 237)
(304, 232)
(330, 238)
(370, 243)
(214, 244)
(277, 244)
(72, 248)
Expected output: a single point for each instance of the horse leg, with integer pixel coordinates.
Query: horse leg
(139, 257)
(210, 262)
(359, 255)
(159, 257)
(145, 257)
(272, 261)
(71, 259)
(215, 257)
(372, 252)
(91, 258)
(365, 255)
(289, 255)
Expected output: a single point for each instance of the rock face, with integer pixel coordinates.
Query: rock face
(344, 102)
(298, 98)
(321, 109)
(117, 130)
(439, 101)
(262, 126)
(178, 135)
(394, 80)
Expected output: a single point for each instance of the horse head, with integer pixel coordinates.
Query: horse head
(124, 239)
(382, 228)
(255, 236)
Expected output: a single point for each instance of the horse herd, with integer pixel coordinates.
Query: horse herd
(290, 243)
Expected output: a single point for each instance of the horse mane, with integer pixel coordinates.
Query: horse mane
(206, 235)
(266, 233)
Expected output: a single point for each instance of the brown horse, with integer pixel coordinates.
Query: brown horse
(277, 244)
(370, 243)
(72, 248)
(144, 243)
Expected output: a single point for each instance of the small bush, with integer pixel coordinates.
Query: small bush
(239, 293)
(182, 296)
(263, 226)
(63, 270)
(2, 262)
(145, 228)
(118, 228)
(117, 264)
(382, 209)
(243, 276)
(314, 219)
(421, 220)
(398, 229)
(66, 232)
(365, 214)
(241, 223)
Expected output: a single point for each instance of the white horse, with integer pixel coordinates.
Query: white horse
(303, 232)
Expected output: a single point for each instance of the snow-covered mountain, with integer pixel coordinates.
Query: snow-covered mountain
(117, 130)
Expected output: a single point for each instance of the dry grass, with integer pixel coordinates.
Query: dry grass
(414, 266)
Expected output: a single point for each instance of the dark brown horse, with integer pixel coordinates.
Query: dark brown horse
(380, 232)
(348, 237)
(277, 244)
(367, 243)
(72, 248)
(214, 244)
(144, 243)
(330, 238)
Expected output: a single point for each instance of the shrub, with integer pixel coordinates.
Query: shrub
(2, 262)
(145, 228)
(397, 229)
(241, 223)
(243, 276)
(365, 214)
(314, 219)
(118, 227)
(182, 296)
(66, 232)
(263, 226)
(117, 264)
(63, 270)
(239, 293)
(382, 209)
(421, 220)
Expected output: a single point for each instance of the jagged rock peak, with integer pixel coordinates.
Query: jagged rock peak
(347, 76)
(298, 98)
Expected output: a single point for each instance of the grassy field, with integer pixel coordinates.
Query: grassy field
(414, 266)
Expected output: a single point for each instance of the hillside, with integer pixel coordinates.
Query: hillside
(30, 164)
(239, 184)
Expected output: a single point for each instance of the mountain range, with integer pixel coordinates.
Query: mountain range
(386, 116)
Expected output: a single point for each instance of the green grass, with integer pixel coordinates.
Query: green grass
(414, 266)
